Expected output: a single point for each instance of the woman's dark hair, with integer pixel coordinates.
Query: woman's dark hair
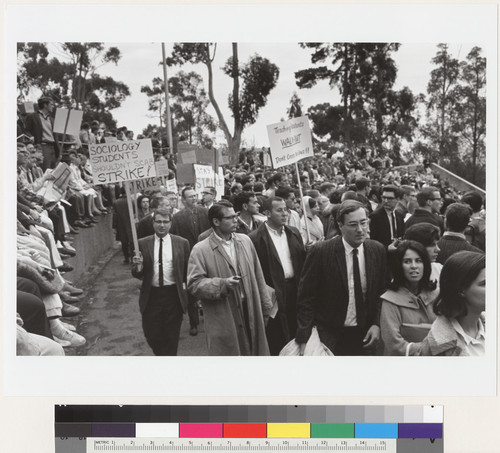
(458, 273)
(425, 233)
(139, 201)
(399, 279)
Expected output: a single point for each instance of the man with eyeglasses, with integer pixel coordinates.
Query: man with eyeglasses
(225, 273)
(162, 266)
(340, 287)
(429, 205)
(208, 197)
(387, 224)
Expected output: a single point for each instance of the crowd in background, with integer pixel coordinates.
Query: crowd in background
(429, 239)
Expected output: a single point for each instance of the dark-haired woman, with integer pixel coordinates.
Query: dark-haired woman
(459, 327)
(313, 222)
(407, 307)
(142, 206)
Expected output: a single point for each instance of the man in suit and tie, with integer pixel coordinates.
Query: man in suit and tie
(340, 286)
(39, 125)
(387, 224)
(281, 254)
(162, 265)
(189, 223)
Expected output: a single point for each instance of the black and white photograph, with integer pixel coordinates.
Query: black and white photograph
(373, 243)
(281, 201)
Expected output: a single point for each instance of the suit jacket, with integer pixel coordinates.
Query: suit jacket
(324, 294)
(422, 215)
(448, 245)
(271, 264)
(190, 225)
(145, 227)
(180, 253)
(380, 230)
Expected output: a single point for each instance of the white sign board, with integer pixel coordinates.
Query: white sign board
(74, 121)
(204, 175)
(155, 183)
(171, 185)
(122, 161)
(162, 167)
(290, 141)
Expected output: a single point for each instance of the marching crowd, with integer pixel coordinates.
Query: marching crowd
(375, 260)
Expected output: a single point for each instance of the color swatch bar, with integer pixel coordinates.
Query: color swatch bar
(245, 430)
(332, 430)
(289, 430)
(200, 430)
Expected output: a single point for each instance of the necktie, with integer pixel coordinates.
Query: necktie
(394, 230)
(358, 290)
(160, 265)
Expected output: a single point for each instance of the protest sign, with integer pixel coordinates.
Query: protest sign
(122, 161)
(205, 176)
(162, 167)
(110, 139)
(171, 185)
(54, 189)
(67, 121)
(149, 183)
(29, 107)
(290, 141)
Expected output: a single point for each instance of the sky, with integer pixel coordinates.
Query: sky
(140, 63)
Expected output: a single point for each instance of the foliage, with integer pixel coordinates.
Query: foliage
(69, 73)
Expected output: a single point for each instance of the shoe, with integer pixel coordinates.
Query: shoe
(92, 220)
(68, 246)
(68, 326)
(65, 251)
(68, 298)
(69, 310)
(72, 230)
(80, 224)
(193, 331)
(65, 268)
(104, 211)
(63, 343)
(73, 338)
(72, 290)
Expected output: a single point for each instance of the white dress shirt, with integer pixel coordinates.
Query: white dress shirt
(350, 319)
(471, 345)
(280, 241)
(168, 262)
(228, 246)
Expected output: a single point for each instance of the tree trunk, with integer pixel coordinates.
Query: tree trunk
(345, 96)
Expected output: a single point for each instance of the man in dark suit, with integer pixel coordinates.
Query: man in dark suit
(453, 240)
(122, 226)
(145, 226)
(281, 254)
(429, 204)
(39, 125)
(387, 224)
(189, 223)
(162, 265)
(340, 286)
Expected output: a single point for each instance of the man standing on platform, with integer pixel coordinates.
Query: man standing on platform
(162, 265)
(281, 254)
(189, 223)
(340, 287)
(40, 125)
(224, 272)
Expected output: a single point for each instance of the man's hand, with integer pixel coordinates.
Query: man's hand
(138, 261)
(371, 337)
(35, 215)
(233, 282)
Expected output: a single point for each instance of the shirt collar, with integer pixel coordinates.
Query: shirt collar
(224, 241)
(467, 338)
(349, 248)
(157, 238)
(45, 117)
(452, 233)
(275, 232)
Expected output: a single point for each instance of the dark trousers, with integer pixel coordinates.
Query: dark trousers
(127, 248)
(77, 210)
(31, 308)
(282, 328)
(49, 156)
(193, 313)
(162, 319)
(350, 342)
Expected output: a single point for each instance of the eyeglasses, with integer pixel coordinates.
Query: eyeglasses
(388, 198)
(435, 199)
(163, 222)
(229, 217)
(362, 224)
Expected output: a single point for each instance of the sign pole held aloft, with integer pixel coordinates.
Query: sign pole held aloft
(303, 202)
(136, 214)
(131, 216)
(165, 81)
(61, 144)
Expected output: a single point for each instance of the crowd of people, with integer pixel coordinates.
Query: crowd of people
(380, 260)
